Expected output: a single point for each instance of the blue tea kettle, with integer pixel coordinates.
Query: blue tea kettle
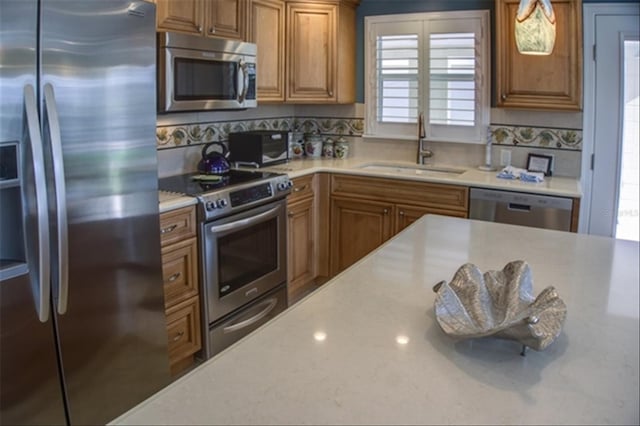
(214, 162)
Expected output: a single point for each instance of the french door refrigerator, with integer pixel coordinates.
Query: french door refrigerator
(82, 327)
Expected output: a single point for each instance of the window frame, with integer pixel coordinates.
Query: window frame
(423, 25)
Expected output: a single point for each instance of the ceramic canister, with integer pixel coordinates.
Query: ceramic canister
(313, 145)
(327, 148)
(296, 145)
(342, 148)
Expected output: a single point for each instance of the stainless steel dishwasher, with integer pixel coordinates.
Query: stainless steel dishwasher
(517, 208)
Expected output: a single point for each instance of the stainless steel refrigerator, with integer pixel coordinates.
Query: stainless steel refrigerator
(82, 327)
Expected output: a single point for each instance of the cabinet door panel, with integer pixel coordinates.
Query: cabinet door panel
(266, 30)
(301, 251)
(226, 18)
(180, 15)
(540, 82)
(311, 49)
(180, 271)
(357, 228)
(407, 214)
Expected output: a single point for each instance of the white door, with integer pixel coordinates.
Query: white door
(610, 153)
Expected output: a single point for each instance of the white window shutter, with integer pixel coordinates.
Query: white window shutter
(457, 95)
(432, 63)
(393, 83)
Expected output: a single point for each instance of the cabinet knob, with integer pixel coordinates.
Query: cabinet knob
(178, 336)
(290, 214)
(199, 28)
(330, 92)
(401, 213)
(504, 97)
(385, 211)
(212, 30)
(174, 277)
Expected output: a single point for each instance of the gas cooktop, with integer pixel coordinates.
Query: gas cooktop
(234, 191)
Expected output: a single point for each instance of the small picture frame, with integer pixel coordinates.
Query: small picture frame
(539, 163)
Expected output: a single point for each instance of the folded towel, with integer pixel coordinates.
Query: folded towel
(524, 175)
(510, 172)
(532, 177)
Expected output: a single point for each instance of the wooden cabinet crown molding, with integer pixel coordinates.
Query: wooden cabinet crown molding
(552, 82)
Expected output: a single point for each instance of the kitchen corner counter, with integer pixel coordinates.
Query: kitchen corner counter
(366, 349)
(172, 200)
(472, 177)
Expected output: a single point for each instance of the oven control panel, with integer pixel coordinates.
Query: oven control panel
(251, 194)
(224, 202)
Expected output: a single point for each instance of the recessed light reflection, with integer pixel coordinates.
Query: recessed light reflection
(402, 339)
(320, 336)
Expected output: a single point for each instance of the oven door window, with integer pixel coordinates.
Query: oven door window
(197, 79)
(246, 255)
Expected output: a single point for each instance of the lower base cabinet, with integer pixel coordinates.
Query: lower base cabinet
(367, 211)
(301, 233)
(357, 227)
(181, 290)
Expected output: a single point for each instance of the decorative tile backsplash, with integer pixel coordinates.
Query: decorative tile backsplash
(200, 133)
(537, 137)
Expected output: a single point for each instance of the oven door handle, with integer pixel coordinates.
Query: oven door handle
(270, 305)
(244, 223)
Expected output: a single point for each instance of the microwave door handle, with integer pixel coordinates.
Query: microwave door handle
(53, 122)
(40, 283)
(243, 77)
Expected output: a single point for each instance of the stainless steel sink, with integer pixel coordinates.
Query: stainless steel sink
(407, 169)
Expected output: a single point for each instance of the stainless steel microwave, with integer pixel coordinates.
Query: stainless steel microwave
(205, 73)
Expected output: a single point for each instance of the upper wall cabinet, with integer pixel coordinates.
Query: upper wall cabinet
(320, 51)
(266, 30)
(219, 18)
(551, 82)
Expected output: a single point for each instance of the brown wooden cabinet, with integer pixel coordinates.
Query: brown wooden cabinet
(406, 214)
(552, 82)
(181, 291)
(266, 29)
(367, 211)
(357, 227)
(320, 51)
(217, 18)
(301, 236)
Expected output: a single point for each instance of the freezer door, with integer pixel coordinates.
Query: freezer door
(30, 391)
(98, 83)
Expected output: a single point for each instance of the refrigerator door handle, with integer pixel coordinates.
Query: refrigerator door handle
(51, 111)
(41, 283)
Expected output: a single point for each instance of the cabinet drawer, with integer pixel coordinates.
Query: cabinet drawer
(177, 225)
(183, 329)
(180, 271)
(443, 196)
(302, 188)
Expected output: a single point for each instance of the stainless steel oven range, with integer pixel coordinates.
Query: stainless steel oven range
(242, 237)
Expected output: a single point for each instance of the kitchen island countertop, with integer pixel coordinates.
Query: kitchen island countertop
(366, 349)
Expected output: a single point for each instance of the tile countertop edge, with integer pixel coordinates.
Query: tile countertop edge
(557, 186)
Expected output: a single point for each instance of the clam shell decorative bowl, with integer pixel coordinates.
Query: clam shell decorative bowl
(499, 304)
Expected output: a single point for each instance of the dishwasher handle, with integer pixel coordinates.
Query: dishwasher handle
(515, 207)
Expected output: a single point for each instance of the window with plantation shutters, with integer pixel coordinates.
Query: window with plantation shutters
(397, 78)
(436, 64)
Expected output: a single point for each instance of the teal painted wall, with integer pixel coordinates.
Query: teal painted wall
(388, 7)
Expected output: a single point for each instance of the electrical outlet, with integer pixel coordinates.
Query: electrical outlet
(505, 157)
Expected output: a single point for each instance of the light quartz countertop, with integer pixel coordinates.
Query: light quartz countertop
(173, 200)
(472, 177)
(366, 349)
